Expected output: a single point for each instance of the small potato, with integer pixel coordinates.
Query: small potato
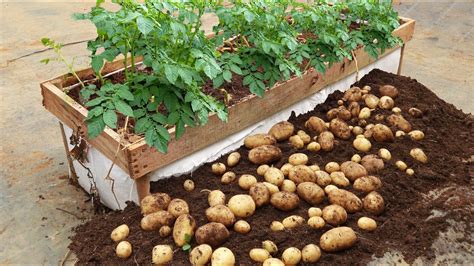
(233, 159)
(385, 154)
(399, 134)
(313, 211)
(401, 165)
(162, 254)
(282, 130)
(228, 177)
(313, 146)
(332, 167)
(399, 122)
(367, 183)
(304, 136)
(410, 171)
(340, 128)
(256, 140)
(277, 226)
(285, 169)
(356, 158)
(416, 135)
(374, 203)
(366, 223)
(389, 90)
(362, 144)
(415, 112)
(330, 188)
(379, 117)
(314, 167)
(273, 262)
(284, 201)
(357, 130)
(165, 231)
(242, 227)
(326, 140)
(298, 158)
(188, 185)
(269, 246)
(372, 163)
(296, 142)
(340, 112)
(419, 155)
(274, 176)
(259, 254)
(120, 233)
(382, 133)
(216, 197)
(262, 169)
(353, 94)
(339, 179)
(288, 186)
(260, 194)
(242, 205)
(292, 221)
(271, 188)
(323, 178)
(220, 214)
(301, 173)
(154, 221)
(386, 102)
(353, 170)
(222, 256)
(354, 109)
(247, 181)
(315, 125)
(291, 256)
(310, 253)
(367, 88)
(396, 110)
(337, 239)
(348, 200)
(178, 207)
(316, 222)
(213, 234)
(183, 229)
(362, 122)
(310, 192)
(364, 113)
(218, 168)
(200, 255)
(123, 249)
(371, 101)
(340, 102)
(154, 202)
(334, 215)
(264, 154)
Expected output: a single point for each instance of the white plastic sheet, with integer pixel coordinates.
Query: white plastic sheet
(124, 186)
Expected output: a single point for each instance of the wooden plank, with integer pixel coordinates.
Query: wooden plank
(406, 30)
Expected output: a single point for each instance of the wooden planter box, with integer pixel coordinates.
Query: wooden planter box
(137, 159)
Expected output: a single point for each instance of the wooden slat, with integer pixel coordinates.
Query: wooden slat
(406, 30)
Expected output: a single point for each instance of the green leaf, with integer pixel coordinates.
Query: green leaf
(95, 126)
(236, 69)
(145, 25)
(110, 118)
(95, 112)
(142, 125)
(186, 247)
(218, 81)
(95, 101)
(125, 94)
(123, 108)
(173, 118)
(227, 75)
(249, 16)
(45, 61)
(97, 63)
(171, 73)
(160, 118)
(179, 129)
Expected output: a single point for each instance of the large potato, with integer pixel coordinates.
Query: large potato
(162, 254)
(349, 201)
(310, 192)
(298, 159)
(334, 215)
(246, 181)
(362, 144)
(340, 128)
(353, 170)
(178, 207)
(241, 205)
(260, 194)
(183, 229)
(364, 114)
(374, 203)
(301, 173)
(337, 239)
(326, 140)
(304, 136)
(282, 130)
(120, 233)
(353, 94)
(264, 154)
(273, 262)
(200, 255)
(154, 202)
(220, 214)
(296, 142)
(291, 256)
(386, 102)
(213, 234)
(292, 221)
(340, 112)
(216, 197)
(323, 178)
(388, 90)
(274, 176)
(258, 140)
(382, 133)
(233, 159)
(259, 254)
(285, 201)
(154, 221)
(222, 257)
(310, 253)
(371, 101)
(399, 122)
(339, 179)
(315, 125)
(354, 109)
(367, 183)
(372, 163)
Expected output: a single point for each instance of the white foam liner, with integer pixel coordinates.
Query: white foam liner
(124, 186)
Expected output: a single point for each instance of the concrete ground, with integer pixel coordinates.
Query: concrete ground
(38, 206)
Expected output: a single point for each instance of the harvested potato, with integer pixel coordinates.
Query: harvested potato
(396, 110)
(386, 102)
(362, 122)
(242, 205)
(372, 163)
(315, 125)
(273, 262)
(332, 167)
(385, 154)
(357, 130)
(264, 154)
(165, 231)
(348, 200)
(296, 142)
(419, 155)
(316, 222)
(298, 158)
(382, 133)
(399, 122)
(354, 109)
(218, 168)
(284, 201)
(269, 246)
(260, 194)
(340, 112)
(304, 136)
(356, 158)
(353, 170)
(339, 179)
(213, 234)
(401, 165)
(259, 254)
(340, 102)
(367, 88)
(288, 186)
(334, 215)
(340, 128)
(367, 183)
(314, 167)
(277, 226)
(154, 202)
(222, 257)
(337, 239)
(379, 117)
(188, 185)
(416, 135)
(415, 112)
(216, 197)
(291, 256)
(410, 171)
(313, 146)
(374, 203)
(271, 188)
(364, 113)
(220, 214)
(310, 253)
(262, 169)
(274, 176)
(389, 90)
(247, 181)
(352, 95)
(310, 192)
(367, 133)
(123, 249)
(362, 144)
(326, 140)
(256, 140)
(228, 177)
(178, 207)
(285, 169)
(330, 188)
(242, 227)
(367, 224)
(183, 229)
(322, 178)
(282, 130)
(162, 254)
(371, 101)
(233, 159)
(200, 255)
(120, 233)
(292, 221)
(399, 134)
(301, 173)
(313, 211)
(154, 221)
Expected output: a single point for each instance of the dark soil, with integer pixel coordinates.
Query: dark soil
(403, 226)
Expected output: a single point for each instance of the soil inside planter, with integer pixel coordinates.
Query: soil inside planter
(407, 225)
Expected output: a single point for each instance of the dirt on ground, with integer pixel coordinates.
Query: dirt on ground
(410, 223)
